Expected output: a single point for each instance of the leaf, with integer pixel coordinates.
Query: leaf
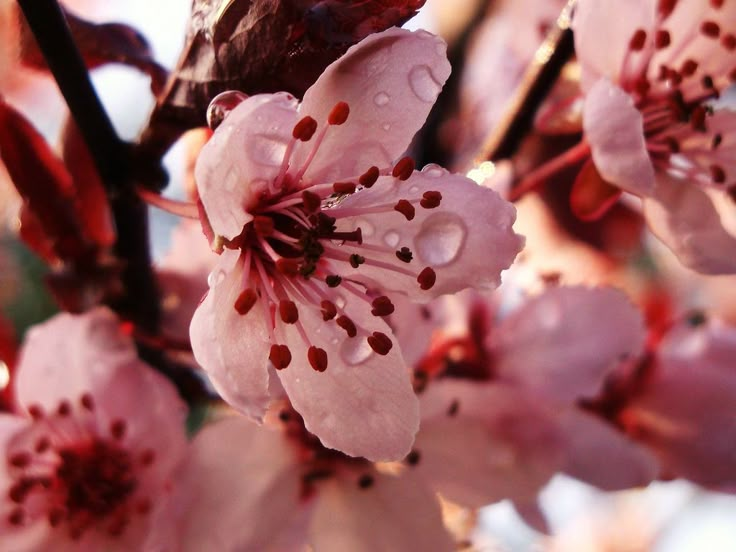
(591, 196)
(260, 46)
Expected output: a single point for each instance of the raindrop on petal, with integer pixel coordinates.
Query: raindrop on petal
(423, 83)
(215, 277)
(441, 238)
(381, 99)
(221, 106)
(391, 238)
(355, 351)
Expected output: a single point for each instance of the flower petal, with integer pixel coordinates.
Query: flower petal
(236, 166)
(394, 514)
(231, 347)
(563, 343)
(617, 143)
(390, 81)
(468, 239)
(363, 403)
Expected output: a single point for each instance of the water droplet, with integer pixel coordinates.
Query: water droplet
(413, 189)
(366, 227)
(266, 149)
(391, 238)
(386, 126)
(441, 238)
(433, 171)
(340, 302)
(221, 106)
(381, 99)
(355, 351)
(423, 83)
(215, 277)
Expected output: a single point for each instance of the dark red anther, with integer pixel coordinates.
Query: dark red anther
(20, 459)
(245, 301)
(280, 356)
(665, 7)
(382, 306)
(35, 411)
(453, 409)
(147, 457)
(413, 457)
(339, 113)
(369, 177)
(356, 260)
(344, 187)
(707, 82)
(348, 325)
(311, 201)
(143, 506)
(333, 280)
(329, 310)
(427, 278)
(717, 139)
(288, 311)
(16, 517)
(87, 402)
(716, 4)
(366, 481)
(56, 516)
(672, 144)
(264, 226)
(403, 168)
(64, 408)
(117, 429)
(728, 41)
(404, 254)
(380, 343)
(732, 75)
(405, 208)
(662, 39)
(317, 358)
(689, 67)
(642, 86)
(710, 29)
(638, 40)
(430, 199)
(697, 118)
(305, 129)
(288, 267)
(717, 174)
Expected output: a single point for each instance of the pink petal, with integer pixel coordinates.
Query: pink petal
(468, 239)
(231, 347)
(363, 403)
(480, 443)
(394, 514)
(617, 143)
(602, 456)
(563, 343)
(684, 217)
(236, 166)
(240, 487)
(390, 81)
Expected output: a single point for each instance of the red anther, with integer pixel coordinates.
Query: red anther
(717, 139)
(403, 168)
(427, 278)
(365, 481)
(413, 457)
(430, 200)
(288, 311)
(333, 280)
(64, 408)
(697, 118)
(717, 4)
(280, 356)
(317, 358)
(35, 411)
(56, 516)
(689, 67)
(87, 402)
(405, 208)
(710, 29)
(665, 7)
(42, 445)
(453, 409)
(339, 113)
(117, 429)
(369, 177)
(143, 507)
(356, 260)
(147, 457)
(728, 41)
(245, 301)
(311, 201)
(638, 39)
(717, 174)
(732, 75)
(20, 459)
(382, 306)
(263, 225)
(708, 83)
(288, 267)
(344, 187)
(662, 39)
(380, 343)
(672, 144)
(16, 517)
(642, 86)
(305, 129)
(346, 324)
(404, 254)
(329, 310)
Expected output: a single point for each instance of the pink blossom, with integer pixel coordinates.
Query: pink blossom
(89, 459)
(650, 71)
(313, 211)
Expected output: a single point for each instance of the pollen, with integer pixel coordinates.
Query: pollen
(339, 113)
(305, 129)
(405, 208)
(280, 356)
(317, 358)
(427, 278)
(403, 168)
(380, 343)
(245, 301)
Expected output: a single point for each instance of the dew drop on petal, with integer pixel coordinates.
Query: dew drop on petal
(381, 99)
(433, 171)
(221, 106)
(355, 351)
(391, 238)
(215, 277)
(413, 189)
(340, 302)
(267, 149)
(366, 227)
(423, 83)
(441, 238)
(386, 126)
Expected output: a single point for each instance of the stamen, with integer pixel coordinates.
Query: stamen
(280, 356)
(413, 457)
(305, 129)
(366, 481)
(183, 209)
(431, 199)
(356, 260)
(288, 311)
(344, 187)
(117, 429)
(264, 226)
(20, 459)
(689, 67)
(710, 29)
(380, 343)
(404, 254)
(339, 114)
(638, 39)
(729, 42)
(312, 201)
(665, 7)
(382, 306)
(333, 280)
(329, 310)
(245, 301)
(662, 39)
(369, 178)
(427, 278)
(717, 174)
(403, 168)
(405, 208)
(64, 408)
(288, 267)
(348, 325)
(87, 402)
(317, 358)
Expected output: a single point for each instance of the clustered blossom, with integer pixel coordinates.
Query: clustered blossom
(319, 217)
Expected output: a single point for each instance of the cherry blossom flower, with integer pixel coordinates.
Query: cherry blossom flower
(275, 487)
(312, 212)
(84, 466)
(650, 73)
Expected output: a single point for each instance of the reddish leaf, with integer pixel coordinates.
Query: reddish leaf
(261, 46)
(591, 196)
(43, 182)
